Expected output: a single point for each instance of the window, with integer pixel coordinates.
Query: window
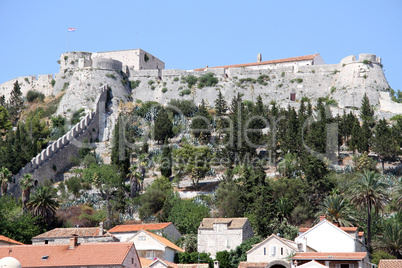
(281, 251)
(228, 243)
(150, 255)
(141, 238)
(265, 251)
(344, 265)
(211, 243)
(272, 251)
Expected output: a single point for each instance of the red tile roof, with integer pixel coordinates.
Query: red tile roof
(361, 234)
(68, 232)
(233, 223)
(89, 254)
(137, 227)
(9, 241)
(165, 241)
(346, 229)
(390, 264)
(300, 58)
(145, 262)
(244, 264)
(330, 256)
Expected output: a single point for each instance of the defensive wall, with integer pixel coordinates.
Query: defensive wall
(345, 83)
(55, 158)
(39, 83)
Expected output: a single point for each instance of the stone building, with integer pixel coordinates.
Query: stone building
(126, 231)
(5, 241)
(73, 254)
(221, 234)
(84, 235)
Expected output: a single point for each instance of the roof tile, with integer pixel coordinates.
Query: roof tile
(233, 223)
(390, 264)
(89, 254)
(300, 58)
(137, 227)
(68, 232)
(330, 256)
(165, 241)
(9, 241)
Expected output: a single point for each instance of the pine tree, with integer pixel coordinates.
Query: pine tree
(163, 126)
(257, 122)
(15, 103)
(120, 153)
(166, 165)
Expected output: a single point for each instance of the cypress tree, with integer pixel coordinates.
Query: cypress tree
(120, 153)
(384, 142)
(201, 122)
(15, 103)
(163, 126)
(220, 105)
(366, 112)
(166, 165)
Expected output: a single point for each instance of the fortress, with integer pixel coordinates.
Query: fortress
(286, 81)
(100, 82)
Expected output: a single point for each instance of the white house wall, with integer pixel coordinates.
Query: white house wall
(327, 238)
(257, 255)
(148, 244)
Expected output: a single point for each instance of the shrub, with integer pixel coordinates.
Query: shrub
(65, 86)
(262, 79)
(176, 79)
(333, 89)
(151, 82)
(134, 84)
(366, 62)
(164, 90)
(191, 80)
(146, 58)
(111, 76)
(185, 92)
(33, 95)
(53, 82)
(208, 80)
(152, 87)
(187, 107)
(282, 74)
(76, 116)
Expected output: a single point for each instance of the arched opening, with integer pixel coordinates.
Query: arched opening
(278, 264)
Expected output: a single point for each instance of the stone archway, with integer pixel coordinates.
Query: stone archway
(278, 264)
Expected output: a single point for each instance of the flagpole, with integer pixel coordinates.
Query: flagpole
(68, 39)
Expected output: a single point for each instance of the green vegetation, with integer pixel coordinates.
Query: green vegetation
(134, 84)
(176, 79)
(111, 76)
(34, 95)
(298, 80)
(65, 86)
(75, 118)
(146, 58)
(164, 90)
(185, 92)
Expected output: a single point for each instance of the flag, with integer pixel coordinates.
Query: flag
(71, 29)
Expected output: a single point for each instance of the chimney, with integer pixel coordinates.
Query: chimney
(101, 229)
(322, 217)
(73, 242)
(259, 57)
(216, 264)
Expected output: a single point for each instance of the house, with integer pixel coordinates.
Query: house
(328, 237)
(167, 229)
(219, 234)
(390, 264)
(152, 246)
(273, 251)
(312, 264)
(159, 263)
(333, 259)
(100, 255)
(5, 241)
(84, 234)
(314, 59)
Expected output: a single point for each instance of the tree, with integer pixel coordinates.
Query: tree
(390, 239)
(166, 164)
(384, 142)
(224, 259)
(120, 152)
(15, 103)
(5, 176)
(200, 124)
(228, 200)
(134, 176)
(44, 203)
(369, 191)
(163, 126)
(5, 123)
(336, 209)
(153, 199)
(220, 105)
(26, 184)
(366, 112)
(240, 253)
(187, 215)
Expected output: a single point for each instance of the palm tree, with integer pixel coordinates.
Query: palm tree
(336, 209)
(283, 207)
(5, 176)
(26, 184)
(134, 182)
(43, 203)
(391, 237)
(368, 192)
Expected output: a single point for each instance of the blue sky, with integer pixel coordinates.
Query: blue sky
(192, 34)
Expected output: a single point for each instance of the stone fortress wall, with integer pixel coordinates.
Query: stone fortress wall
(55, 158)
